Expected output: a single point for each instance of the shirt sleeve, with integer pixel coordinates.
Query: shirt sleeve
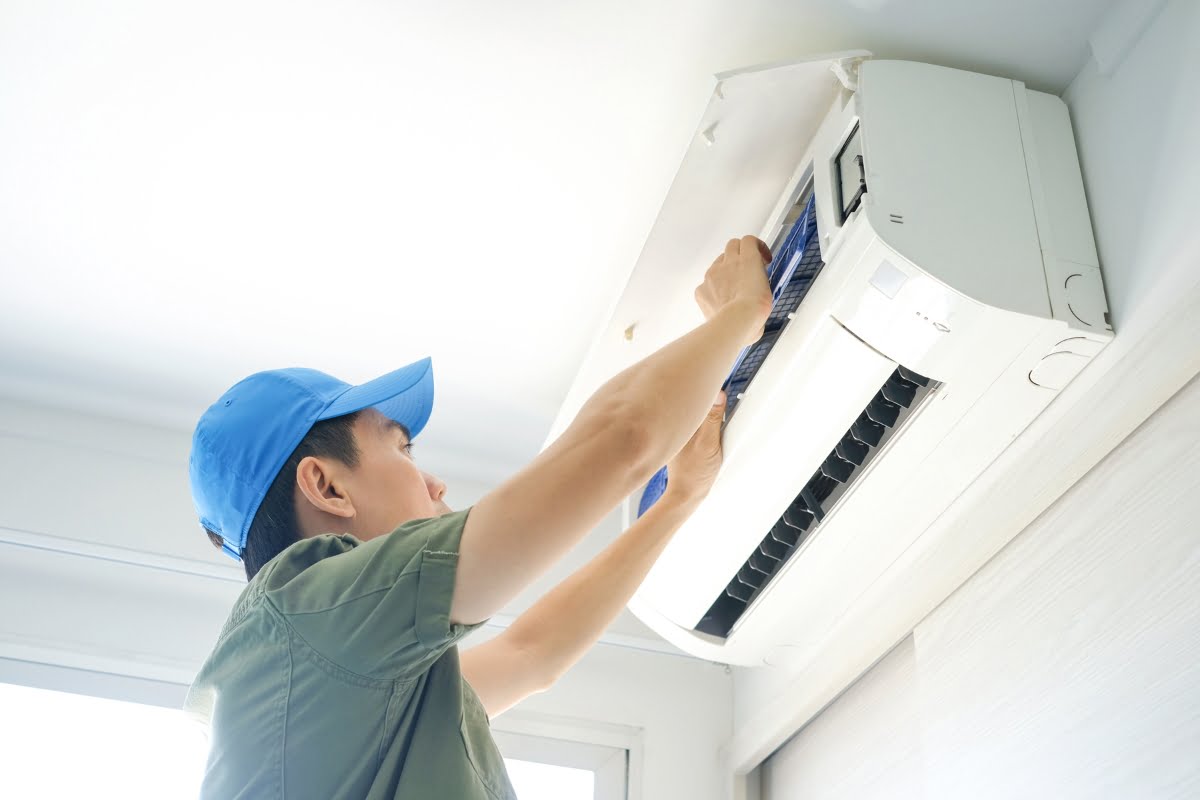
(380, 608)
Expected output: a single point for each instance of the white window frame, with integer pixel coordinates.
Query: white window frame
(92, 682)
(613, 752)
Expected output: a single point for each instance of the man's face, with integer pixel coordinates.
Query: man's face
(387, 488)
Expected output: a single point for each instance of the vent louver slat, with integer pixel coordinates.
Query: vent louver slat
(797, 517)
(886, 413)
(763, 563)
(866, 431)
(728, 604)
(883, 412)
(912, 377)
(899, 391)
(740, 591)
(837, 469)
(852, 450)
(751, 576)
(774, 548)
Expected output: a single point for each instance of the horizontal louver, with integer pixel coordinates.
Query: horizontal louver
(884, 415)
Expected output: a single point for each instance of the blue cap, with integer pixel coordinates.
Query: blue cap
(244, 438)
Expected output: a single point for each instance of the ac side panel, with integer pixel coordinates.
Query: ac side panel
(1069, 232)
(808, 393)
(943, 153)
(1068, 247)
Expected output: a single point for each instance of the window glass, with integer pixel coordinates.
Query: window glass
(535, 781)
(57, 744)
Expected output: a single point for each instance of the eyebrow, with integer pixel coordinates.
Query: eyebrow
(400, 426)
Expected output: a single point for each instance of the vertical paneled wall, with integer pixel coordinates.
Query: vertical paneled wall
(1068, 667)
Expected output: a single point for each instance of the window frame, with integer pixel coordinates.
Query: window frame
(613, 752)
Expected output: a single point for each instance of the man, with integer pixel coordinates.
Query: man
(336, 674)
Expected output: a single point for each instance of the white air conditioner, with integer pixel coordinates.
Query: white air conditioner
(949, 291)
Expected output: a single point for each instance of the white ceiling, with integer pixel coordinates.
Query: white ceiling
(192, 192)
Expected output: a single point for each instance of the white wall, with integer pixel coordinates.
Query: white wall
(1065, 668)
(677, 709)
(867, 743)
(102, 566)
(108, 587)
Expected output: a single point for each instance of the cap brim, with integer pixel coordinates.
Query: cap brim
(405, 395)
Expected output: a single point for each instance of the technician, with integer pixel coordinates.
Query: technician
(336, 674)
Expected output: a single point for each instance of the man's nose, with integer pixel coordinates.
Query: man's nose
(437, 489)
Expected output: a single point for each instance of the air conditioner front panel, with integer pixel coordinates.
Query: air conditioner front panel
(934, 176)
(799, 406)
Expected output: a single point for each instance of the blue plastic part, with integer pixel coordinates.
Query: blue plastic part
(653, 491)
(791, 273)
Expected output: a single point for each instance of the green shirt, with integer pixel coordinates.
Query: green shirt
(337, 676)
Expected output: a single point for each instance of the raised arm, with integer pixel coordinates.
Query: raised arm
(629, 428)
(555, 632)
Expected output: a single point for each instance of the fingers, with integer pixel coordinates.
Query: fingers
(716, 414)
(751, 243)
(764, 251)
(746, 244)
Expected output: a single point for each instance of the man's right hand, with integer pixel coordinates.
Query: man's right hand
(630, 427)
(737, 281)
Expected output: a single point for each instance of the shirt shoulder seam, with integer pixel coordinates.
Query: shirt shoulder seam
(344, 601)
(331, 664)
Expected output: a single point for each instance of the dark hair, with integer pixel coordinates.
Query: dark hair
(275, 524)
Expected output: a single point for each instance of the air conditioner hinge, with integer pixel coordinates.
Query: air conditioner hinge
(846, 70)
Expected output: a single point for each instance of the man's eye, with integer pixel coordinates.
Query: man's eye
(408, 449)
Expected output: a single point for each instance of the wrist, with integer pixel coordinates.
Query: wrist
(682, 497)
(748, 316)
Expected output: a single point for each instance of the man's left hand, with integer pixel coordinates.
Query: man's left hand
(694, 469)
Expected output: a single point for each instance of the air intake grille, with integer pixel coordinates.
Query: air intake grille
(796, 262)
(895, 401)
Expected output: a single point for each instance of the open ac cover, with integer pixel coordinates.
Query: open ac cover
(937, 286)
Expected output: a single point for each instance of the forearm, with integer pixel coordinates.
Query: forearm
(568, 620)
(629, 428)
(671, 390)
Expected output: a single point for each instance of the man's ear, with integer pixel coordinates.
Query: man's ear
(319, 481)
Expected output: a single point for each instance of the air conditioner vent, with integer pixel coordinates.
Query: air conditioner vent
(884, 416)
